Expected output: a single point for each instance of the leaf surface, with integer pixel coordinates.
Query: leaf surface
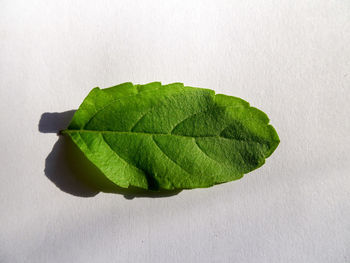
(157, 136)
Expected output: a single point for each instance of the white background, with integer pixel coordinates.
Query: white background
(290, 59)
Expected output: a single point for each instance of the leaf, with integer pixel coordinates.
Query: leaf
(157, 136)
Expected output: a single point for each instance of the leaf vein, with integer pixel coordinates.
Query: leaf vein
(139, 120)
(200, 148)
(166, 155)
(111, 102)
(67, 131)
(124, 160)
(201, 111)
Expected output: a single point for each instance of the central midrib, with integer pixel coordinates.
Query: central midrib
(67, 131)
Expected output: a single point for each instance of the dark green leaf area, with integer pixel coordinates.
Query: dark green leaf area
(157, 136)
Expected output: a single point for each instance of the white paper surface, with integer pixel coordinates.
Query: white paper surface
(290, 59)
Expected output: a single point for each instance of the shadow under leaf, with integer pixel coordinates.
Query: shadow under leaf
(68, 168)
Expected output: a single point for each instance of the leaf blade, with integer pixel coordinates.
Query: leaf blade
(157, 136)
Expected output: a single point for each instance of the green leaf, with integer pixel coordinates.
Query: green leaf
(157, 136)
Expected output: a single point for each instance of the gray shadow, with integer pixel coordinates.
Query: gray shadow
(68, 168)
(53, 122)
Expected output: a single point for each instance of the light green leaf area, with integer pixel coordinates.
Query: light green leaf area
(157, 136)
